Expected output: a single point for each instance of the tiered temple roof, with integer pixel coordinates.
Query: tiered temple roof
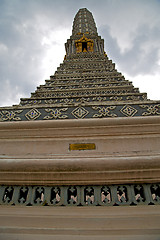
(86, 85)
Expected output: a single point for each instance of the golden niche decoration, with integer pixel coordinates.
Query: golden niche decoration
(84, 45)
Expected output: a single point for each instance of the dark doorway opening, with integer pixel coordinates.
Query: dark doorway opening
(84, 47)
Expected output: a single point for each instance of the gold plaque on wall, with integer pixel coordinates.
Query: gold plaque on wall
(82, 146)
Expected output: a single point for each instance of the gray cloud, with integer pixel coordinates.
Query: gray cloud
(141, 58)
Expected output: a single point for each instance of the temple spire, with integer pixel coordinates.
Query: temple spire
(85, 85)
(84, 35)
(84, 23)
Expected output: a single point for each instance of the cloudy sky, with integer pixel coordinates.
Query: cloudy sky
(33, 33)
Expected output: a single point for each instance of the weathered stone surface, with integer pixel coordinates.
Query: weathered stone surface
(38, 153)
(80, 223)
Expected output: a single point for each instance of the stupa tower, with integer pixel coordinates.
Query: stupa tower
(86, 140)
(86, 85)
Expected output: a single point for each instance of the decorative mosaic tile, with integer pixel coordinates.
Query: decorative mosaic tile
(128, 111)
(32, 114)
(79, 112)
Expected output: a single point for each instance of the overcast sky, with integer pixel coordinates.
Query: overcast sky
(33, 33)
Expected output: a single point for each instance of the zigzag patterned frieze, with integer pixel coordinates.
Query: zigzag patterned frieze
(69, 75)
(79, 92)
(77, 61)
(94, 71)
(61, 82)
(86, 65)
(85, 55)
(82, 86)
(81, 78)
(99, 98)
(88, 74)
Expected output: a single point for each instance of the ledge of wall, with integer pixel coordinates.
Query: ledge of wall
(81, 223)
(127, 150)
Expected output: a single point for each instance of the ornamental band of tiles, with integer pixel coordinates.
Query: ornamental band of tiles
(86, 85)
